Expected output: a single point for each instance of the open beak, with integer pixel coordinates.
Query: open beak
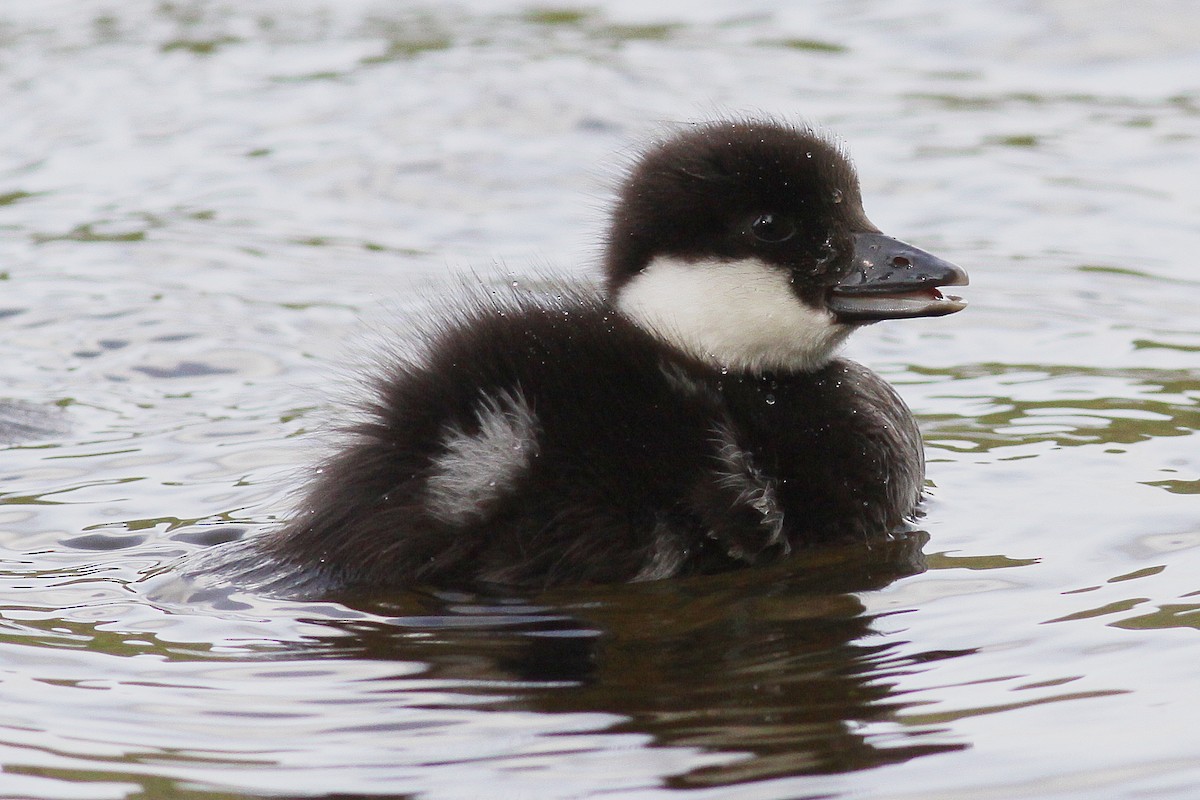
(890, 279)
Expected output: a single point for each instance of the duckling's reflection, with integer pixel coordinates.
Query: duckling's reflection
(779, 665)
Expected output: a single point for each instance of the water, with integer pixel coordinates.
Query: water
(212, 212)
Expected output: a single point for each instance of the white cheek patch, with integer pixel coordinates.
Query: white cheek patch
(739, 314)
(477, 468)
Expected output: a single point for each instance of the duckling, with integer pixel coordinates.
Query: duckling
(691, 416)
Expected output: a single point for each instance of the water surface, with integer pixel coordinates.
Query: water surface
(212, 214)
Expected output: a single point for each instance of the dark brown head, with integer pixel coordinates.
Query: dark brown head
(745, 243)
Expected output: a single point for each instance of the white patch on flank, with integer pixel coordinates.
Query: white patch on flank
(476, 468)
(739, 314)
(739, 473)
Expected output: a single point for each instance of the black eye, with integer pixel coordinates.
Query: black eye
(773, 228)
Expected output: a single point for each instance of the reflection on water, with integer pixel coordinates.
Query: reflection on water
(22, 422)
(1006, 404)
(773, 672)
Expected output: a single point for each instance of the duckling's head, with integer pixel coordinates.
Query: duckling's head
(745, 244)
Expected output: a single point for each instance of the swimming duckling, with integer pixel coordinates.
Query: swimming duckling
(690, 418)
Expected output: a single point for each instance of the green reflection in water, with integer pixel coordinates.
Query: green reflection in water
(118, 783)
(1177, 487)
(40, 499)
(556, 16)
(1170, 615)
(1138, 573)
(1014, 140)
(943, 717)
(593, 26)
(48, 629)
(1152, 403)
(406, 36)
(8, 198)
(813, 45)
(1115, 607)
(1150, 344)
(200, 47)
(946, 561)
(625, 33)
(1105, 269)
(403, 49)
(87, 233)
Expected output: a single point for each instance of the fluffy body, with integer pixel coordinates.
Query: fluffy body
(690, 418)
(483, 461)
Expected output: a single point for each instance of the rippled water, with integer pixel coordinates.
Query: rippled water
(210, 212)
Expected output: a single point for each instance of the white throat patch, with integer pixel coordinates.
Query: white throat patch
(739, 314)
